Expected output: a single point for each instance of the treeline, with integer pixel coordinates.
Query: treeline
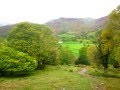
(31, 46)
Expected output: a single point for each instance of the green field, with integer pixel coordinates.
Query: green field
(64, 78)
(52, 78)
(73, 46)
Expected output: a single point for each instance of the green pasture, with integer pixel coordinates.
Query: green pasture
(52, 78)
(74, 46)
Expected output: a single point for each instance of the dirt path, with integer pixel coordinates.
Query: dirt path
(96, 85)
(83, 72)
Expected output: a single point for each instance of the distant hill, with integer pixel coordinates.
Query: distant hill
(67, 25)
(100, 23)
(4, 30)
(76, 25)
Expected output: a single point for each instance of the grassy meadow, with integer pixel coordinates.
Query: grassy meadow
(52, 78)
(63, 78)
(74, 46)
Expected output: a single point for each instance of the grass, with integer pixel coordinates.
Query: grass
(106, 83)
(112, 72)
(64, 78)
(52, 78)
(74, 46)
(110, 81)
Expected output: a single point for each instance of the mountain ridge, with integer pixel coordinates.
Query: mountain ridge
(77, 25)
(67, 25)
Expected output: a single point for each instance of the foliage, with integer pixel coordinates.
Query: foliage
(34, 39)
(94, 36)
(112, 72)
(67, 37)
(55, 57)
(108, 41)
(66, 56)
(93, 56)
(116, 64)
(15, 61)
(110, 37)
(82, 59)
(2, 42)
(117, 54)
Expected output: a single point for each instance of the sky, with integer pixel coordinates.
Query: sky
(41, 11)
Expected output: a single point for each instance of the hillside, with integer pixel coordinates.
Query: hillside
(76, 25)
(67, 25)
(4, 30)
(100, 23)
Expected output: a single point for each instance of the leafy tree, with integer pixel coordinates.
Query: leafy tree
(115, 57)
(83, 59)
(13, 61)
(117, 54)
(66, 56)
(109, 38)
(35, 39)
(92, 54)
(55, 57)
(2, 42)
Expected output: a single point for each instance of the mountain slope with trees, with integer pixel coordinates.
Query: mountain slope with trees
(76, 25)
(67, 25)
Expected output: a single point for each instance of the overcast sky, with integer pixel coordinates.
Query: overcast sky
(41, 11)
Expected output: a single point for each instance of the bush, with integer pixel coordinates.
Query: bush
(82, 59)
(70, 70)
(116, 64)
(66, 56)
(14, 61)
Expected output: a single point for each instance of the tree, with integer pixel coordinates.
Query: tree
(66, 56)
(93, 56)
(35, 39)
(13, 61)
(2, 42)
(109, 38)
(82, 59)
(55, 57)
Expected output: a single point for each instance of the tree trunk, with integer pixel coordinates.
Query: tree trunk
(41, 65)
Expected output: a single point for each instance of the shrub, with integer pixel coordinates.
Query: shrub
(82, 59)
(116, 64)
(70, 70)
(66, 56)
(14, 61)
